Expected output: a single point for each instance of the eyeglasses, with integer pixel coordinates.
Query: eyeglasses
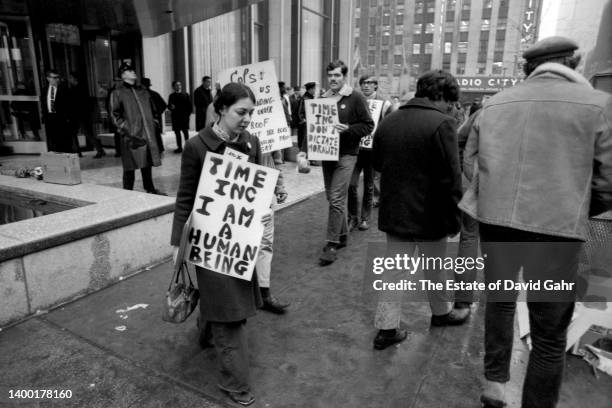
(369, 83)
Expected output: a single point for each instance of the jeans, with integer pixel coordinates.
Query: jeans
(468, 248)
(230, 339)
(389, 308)
(336, 177)
(364, 162)
(147, 179)
(548, 321)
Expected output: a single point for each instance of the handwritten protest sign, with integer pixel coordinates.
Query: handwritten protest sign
(323, 140)
(375, 110)
(268, 122)
(226, 228)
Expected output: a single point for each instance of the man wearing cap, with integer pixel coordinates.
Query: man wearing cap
(539, 156)
(132, 113)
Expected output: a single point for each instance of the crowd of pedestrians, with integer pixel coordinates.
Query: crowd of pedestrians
(529, 165)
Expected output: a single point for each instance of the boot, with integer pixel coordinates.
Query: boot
(271, 304)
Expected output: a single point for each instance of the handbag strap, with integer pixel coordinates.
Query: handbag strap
(182, 245)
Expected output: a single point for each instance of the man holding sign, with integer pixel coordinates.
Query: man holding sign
(354, 122)
(378, 109)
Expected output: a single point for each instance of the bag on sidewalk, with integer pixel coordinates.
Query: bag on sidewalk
(182, 297)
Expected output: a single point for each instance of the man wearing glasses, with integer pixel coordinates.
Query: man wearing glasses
(369, 88)
(55, 113)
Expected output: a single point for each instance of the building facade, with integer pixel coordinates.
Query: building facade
(165, 41)
(473, 39)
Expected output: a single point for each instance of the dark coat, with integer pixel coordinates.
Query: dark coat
(179, 104)
(353, 111)
(294, 101)
(223, 298)
(201, 99)
(132, 113)
(62, 102)
(415, 149)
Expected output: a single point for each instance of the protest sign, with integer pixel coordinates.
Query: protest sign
(226, 228)
(323, 139)
(268, 122)
(375, 110)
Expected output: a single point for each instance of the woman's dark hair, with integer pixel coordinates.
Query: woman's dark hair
(363, 78)
(230, 94)
(175, 82)
(337, 64)
(437, 85)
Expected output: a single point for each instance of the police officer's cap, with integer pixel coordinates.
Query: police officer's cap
(551, 47)
(125, 66)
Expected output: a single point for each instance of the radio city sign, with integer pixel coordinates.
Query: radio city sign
(482, 83)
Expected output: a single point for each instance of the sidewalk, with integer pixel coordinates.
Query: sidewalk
(108, 171)
(317, 355)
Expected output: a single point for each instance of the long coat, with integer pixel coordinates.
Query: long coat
(179, 104)
(222, 298)
(415, 151)
(132, 113)
(201, 99)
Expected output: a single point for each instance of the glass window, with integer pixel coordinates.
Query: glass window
(400, 2)
(372, 29)
(446, 66)
(464, 26)
(418, 7)
(501, 23)
(499, 44)
(373, 3)
(386, 20)
(497, 68)
(371, 58)
(450, 16)
(460, 68)
(372, 40)
(466, 4)
(451, 5)
(449, 26)
(418, 28)
(398, 59)
(357, 21)
(385, 39)
(416, 48)
(399, 39)
(498, 56)
(312, 33)
(429, 28)
(462, 47)
(431, 6)
(481, 68)
(384, 57)
(372, 20)
(19, 86)
(486, 25)
(448, 47)
(399, 19)
(428, 48)
(488, 4)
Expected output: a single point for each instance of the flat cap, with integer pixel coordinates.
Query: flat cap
(125, 66)
(551, 47)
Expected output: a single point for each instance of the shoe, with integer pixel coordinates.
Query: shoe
(455, 317)
(178, 150)
(100, 154)
(157, 192)
(364, 226)
(493, 394)
(329, 255)
(343, 242)
(463, 305)
(352, 224)
(244, 398)
(381, 341)
(272, 304)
